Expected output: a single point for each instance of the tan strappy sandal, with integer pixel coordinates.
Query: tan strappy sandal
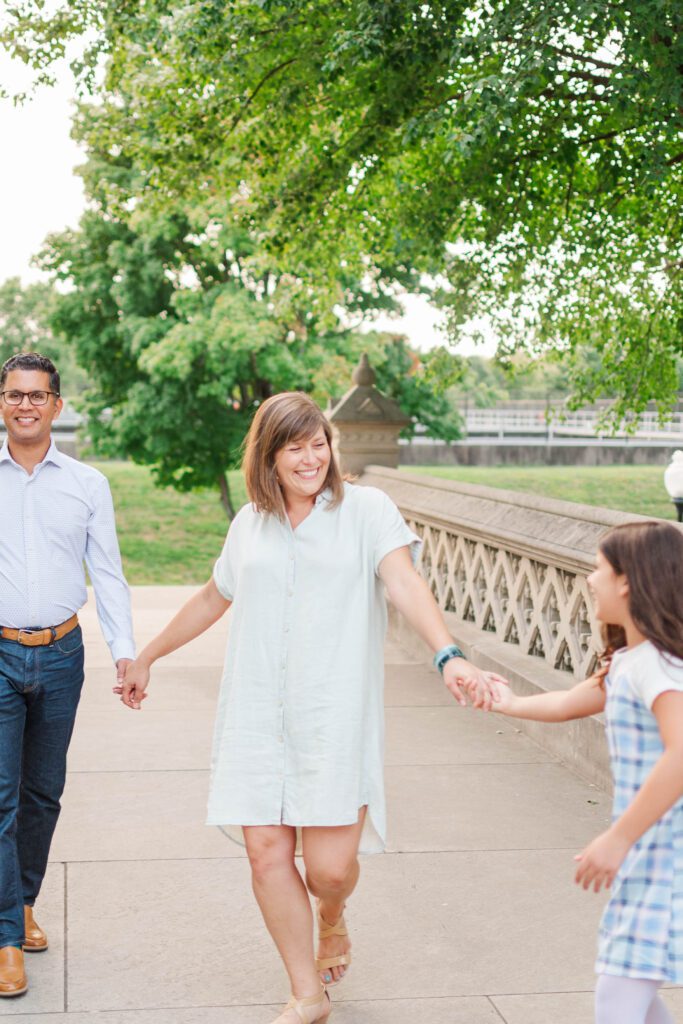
(324, 932)
(306, 1011)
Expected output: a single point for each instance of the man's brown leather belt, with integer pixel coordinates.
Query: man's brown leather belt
(39, 637)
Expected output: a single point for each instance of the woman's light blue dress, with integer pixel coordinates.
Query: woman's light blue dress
(299, 735)
(641, 932)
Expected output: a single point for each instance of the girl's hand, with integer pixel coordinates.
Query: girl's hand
(462, 677)
(600, 861)
(505, 700)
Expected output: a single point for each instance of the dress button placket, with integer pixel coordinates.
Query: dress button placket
(285, 637)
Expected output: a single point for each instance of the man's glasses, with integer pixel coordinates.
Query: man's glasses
(34, 397)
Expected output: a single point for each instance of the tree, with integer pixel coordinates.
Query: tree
(420, 384)
(184, 329)
(529, 153)
(25, 327)
(23, 319)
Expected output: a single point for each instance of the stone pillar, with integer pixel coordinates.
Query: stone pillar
(366, 424)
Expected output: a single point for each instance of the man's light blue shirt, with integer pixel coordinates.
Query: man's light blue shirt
(51, 522)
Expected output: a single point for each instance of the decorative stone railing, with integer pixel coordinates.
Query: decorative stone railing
(514, 565)
(509, 571)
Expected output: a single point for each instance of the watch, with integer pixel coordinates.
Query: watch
(445, 654)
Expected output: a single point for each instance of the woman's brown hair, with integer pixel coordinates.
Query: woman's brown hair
(290, 416)
(650, 555)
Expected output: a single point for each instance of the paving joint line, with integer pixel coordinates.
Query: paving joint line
(472, 764)
(488, 997)
(66, 936)
(496, 1009)
(137, 771)
(387, 853)
(402, 764)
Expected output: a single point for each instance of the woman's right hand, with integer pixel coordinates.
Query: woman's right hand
(132, 689)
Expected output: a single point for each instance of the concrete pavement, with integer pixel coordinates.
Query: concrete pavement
(471, 917)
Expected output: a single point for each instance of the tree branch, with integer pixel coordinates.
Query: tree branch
(588, 76)
(608, 135)
(247, 103)
(551, 93)
(564, 52)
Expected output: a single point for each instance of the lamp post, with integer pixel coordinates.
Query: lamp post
(673, 481)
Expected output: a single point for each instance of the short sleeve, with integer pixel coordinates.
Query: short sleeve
(392, 531)
(225, 569)
(656, 673)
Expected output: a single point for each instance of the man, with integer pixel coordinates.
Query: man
(55, 513)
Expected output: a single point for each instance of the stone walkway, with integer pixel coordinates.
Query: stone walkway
(470, 918)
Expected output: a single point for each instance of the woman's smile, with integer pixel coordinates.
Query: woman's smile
(302, 465)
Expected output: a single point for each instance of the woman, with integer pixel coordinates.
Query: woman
(298, 742)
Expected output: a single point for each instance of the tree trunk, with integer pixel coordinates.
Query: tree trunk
(226, 500)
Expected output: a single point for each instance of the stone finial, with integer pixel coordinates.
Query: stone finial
(364, 375)
(366, 423)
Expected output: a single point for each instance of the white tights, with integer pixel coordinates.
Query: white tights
(629, 1001)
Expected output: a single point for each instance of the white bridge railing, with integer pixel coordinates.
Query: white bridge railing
(582, 423)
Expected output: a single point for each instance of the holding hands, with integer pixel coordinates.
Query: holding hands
(464, 679)
(201, 611)
(132, 684)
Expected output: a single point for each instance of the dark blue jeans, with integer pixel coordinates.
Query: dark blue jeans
(39, 692)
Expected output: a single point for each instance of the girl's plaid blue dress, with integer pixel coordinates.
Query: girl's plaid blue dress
(641, 932)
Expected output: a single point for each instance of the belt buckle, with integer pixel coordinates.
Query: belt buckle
(28, 633)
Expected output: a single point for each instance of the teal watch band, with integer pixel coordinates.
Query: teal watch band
(445, 654)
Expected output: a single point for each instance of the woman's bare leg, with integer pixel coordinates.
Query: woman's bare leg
(284, 902)
(332, 870)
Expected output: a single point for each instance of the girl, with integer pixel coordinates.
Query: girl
(637, 588)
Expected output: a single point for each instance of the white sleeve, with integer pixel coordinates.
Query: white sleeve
(103, 560)
(225, 569)
(655, 675)
(392, 531)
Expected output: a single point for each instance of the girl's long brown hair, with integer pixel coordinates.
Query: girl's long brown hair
(289, 416)
(650, 555)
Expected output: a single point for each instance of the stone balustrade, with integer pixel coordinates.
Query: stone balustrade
(513, 565)
(509, 571)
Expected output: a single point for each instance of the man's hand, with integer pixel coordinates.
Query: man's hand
(132, 683)
(600, 861)
(462, 677)
(121, 666)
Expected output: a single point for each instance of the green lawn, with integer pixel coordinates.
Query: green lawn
(637, 489)
(167, 537)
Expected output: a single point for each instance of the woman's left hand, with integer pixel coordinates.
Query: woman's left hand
(600, 861)
(463, 678)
